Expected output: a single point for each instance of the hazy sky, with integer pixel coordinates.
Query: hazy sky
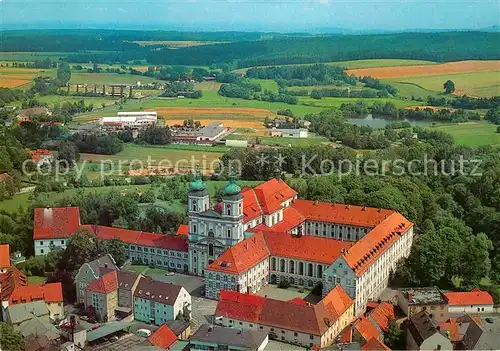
(251, 14)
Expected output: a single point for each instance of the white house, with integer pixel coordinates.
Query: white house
(475, 301)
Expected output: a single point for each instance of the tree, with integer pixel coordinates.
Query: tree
(493, 115)
(116, 248)
(394, 338)
(155, 135)
(82, 247)
(498, 129)
(10, 339)
(63, 73)
(449, 87)
(68, 152)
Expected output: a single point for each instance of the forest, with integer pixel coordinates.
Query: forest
(250, 49)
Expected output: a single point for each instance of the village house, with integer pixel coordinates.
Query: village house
(213, 337)
(91, 271)
(157, 302)
(425, 333)
(475, 301)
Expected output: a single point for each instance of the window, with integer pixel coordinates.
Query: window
(146, 249)
(194, 228)
(229, 233)
(41, 251)
(311, 337)
(62, 242)
(241, 323)
(51, 242)
(282, 332)
(282, 338)
(41, 242)
(295, 334)
(132, 247)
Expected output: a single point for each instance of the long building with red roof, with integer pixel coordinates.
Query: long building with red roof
(300, 323)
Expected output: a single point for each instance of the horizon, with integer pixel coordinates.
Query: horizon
(285, 16)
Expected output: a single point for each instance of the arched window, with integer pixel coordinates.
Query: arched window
(273, 264)
(228, 209)
(193, 205)
(282, 265)
(210, 249)
(194, 228)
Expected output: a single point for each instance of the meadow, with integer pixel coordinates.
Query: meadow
(337, 101)
(182, 158)
(478, 84)
(473, 134)
(108, 78)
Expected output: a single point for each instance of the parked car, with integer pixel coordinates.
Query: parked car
(144, 333)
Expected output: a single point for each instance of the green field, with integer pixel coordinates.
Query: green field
(409, 90)
(108, 78)
(362, 63)
(472, 134)
(31, 56)
(168, 156)
(480, 84)
(267, 84)
(59, 99)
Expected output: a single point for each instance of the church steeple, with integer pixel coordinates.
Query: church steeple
(199, 198)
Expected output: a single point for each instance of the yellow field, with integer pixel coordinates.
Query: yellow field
(188, 112)
(427, 70)
(11, 77)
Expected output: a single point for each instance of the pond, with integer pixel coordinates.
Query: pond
(380, 122)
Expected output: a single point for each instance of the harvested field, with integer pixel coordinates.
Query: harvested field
(10, 82)
(427, 70)
(11, 77)
(173, 112)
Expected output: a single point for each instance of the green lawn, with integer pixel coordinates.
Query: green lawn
(409, 90)
(354, 64)
(96, 101)
(31, 56)
(472, 134)
(480, 84)
(267, 84)
(17, 201)
(108, 78)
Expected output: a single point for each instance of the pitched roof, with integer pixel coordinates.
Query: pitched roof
(235, 339)
(308, 248)
(134, 237)
(474, 297)
(49, 292)
(272, 193)
(4, 256)
(366, 329)
(375, 344)
(341, 213)
(183, 229)
(337, 300)
(25, 311)
(126, 280)
(158, 291)
(241, 256)
(291, 219)
(102, 265)
(55, 223)
(105, 284)
(10, 281)
(313, 319)
(422, 326)
(251, 206)
(382, 314)
(371, 246)
(163, 337)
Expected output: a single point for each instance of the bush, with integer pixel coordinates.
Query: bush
(284, 284)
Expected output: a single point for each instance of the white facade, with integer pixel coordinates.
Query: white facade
(470, 309)
(42, 247)
(131, 119)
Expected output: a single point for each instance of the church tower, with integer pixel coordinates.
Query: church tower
(211, 232)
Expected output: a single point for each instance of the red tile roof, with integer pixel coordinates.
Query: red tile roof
(375, 344)
(291, 219)
(452, 328)
(272, 193)
(50, 292)
(105, 284)
(10, 281)
(241, 256)
(306, 318)
(337, 300)
(371, 246)
(366, 329)
(308, 248)
(382, 314)
(298, 301)
(474, 297)
(251, 206)
(340, 213)
(55, 223)
(163, 338)
(183, 230)
(4, 256)
(134, 237)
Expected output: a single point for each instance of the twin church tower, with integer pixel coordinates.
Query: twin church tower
(212, 230)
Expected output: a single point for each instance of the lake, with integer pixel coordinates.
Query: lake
(381, 122)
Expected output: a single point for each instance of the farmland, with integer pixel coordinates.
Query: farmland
(11, 77)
